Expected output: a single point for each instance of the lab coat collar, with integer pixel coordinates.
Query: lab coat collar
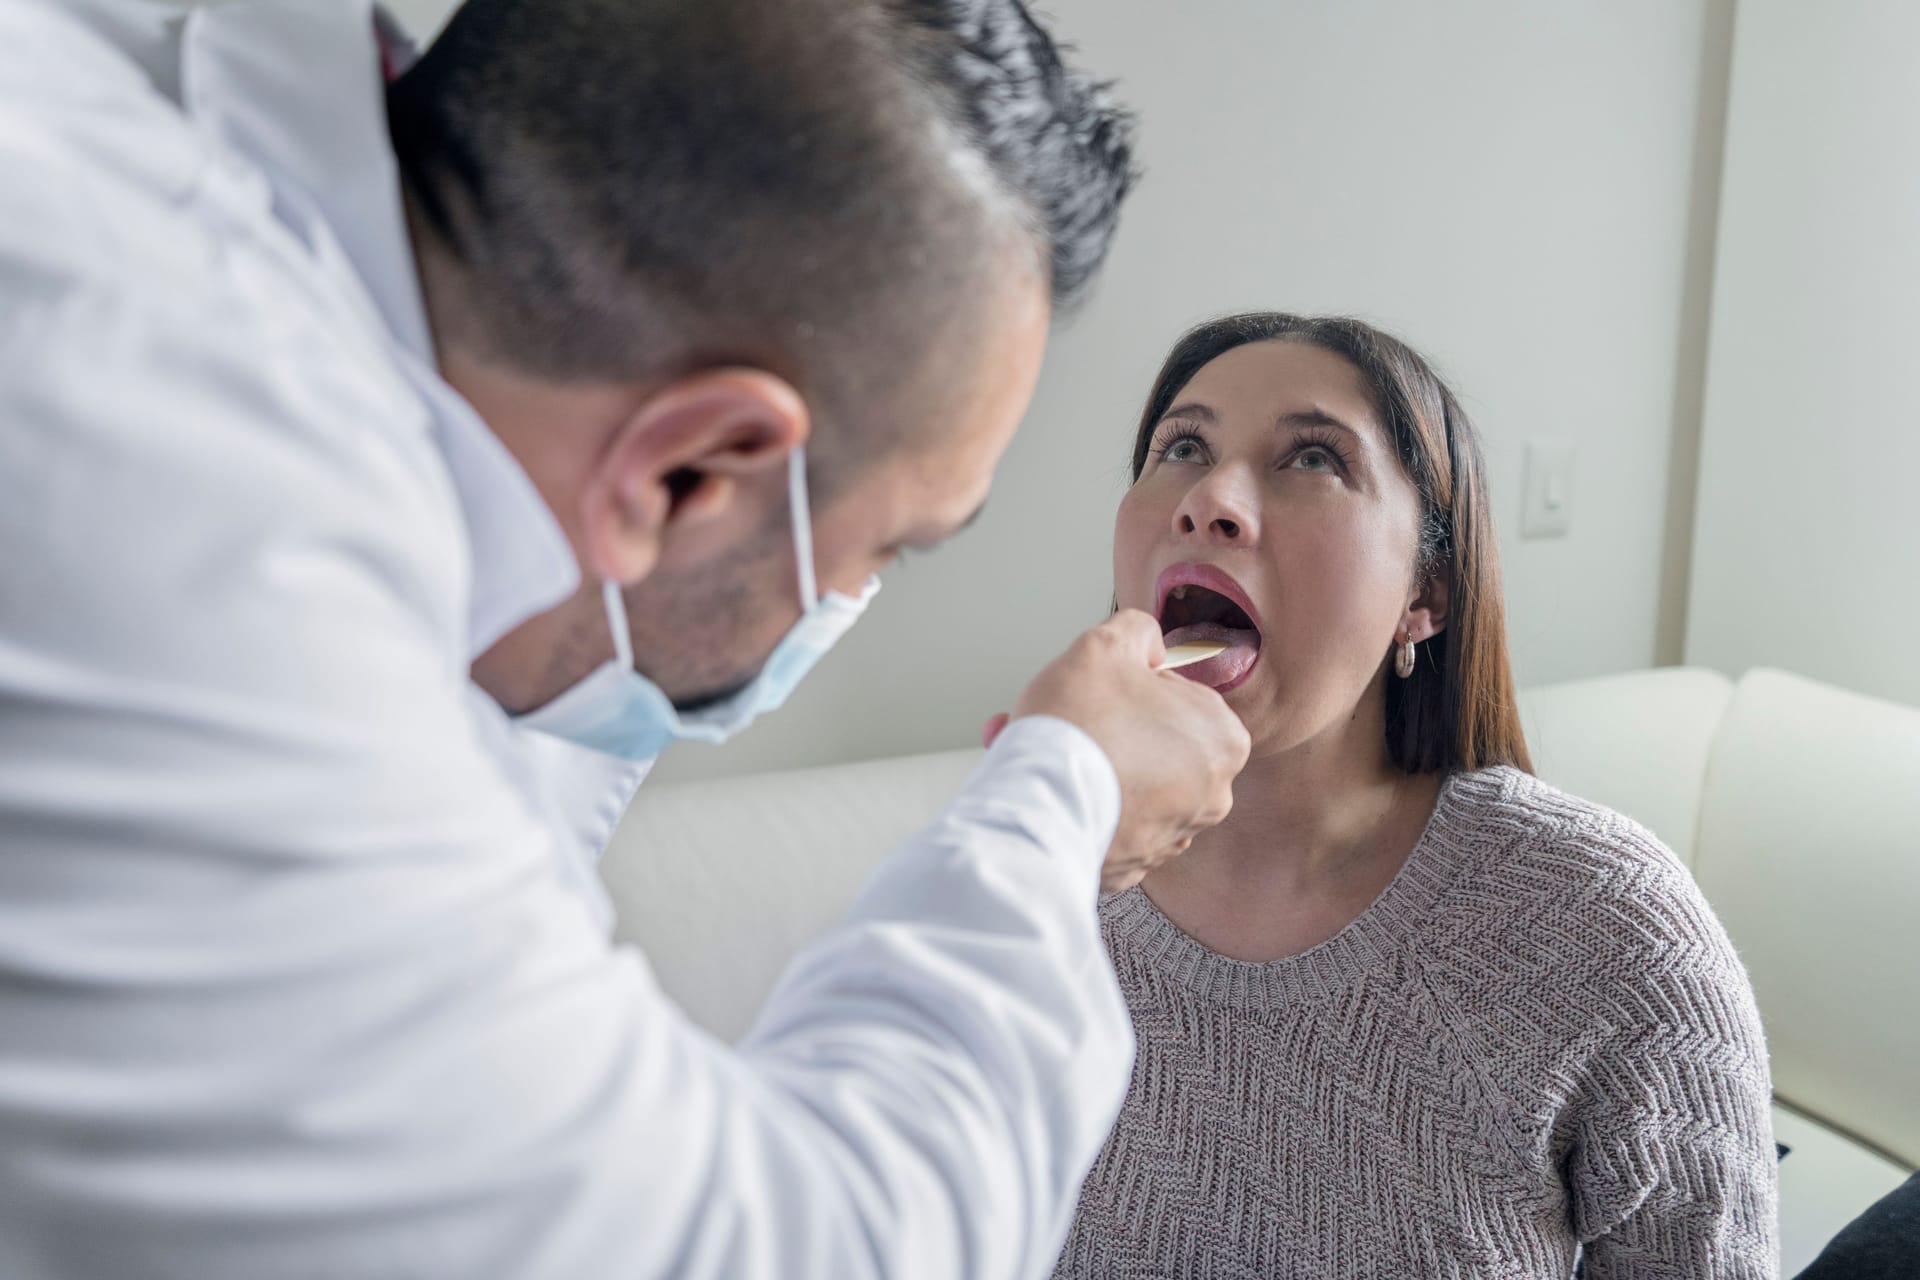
(296, 88)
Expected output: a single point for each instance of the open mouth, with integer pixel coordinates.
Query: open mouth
(1191, 612)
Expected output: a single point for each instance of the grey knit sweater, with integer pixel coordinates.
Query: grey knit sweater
(1537, 1041)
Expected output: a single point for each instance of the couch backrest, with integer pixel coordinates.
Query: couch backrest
(720, 881)
(1809, 850)
(1637, 743)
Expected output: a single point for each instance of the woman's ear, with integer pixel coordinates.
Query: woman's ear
(705, 456)
(1426, 615)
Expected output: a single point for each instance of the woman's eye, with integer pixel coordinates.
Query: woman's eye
(1315, 459)
(1182, 450)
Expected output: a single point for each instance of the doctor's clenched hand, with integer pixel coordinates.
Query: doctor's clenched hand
(1175, 744)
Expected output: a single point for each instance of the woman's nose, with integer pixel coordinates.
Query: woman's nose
(1213, 509)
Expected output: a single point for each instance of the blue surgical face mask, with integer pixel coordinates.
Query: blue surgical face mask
(621, 712)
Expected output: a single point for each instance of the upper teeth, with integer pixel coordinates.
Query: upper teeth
(1179, 593)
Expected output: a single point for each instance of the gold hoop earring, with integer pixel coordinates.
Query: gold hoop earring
(1403, 660)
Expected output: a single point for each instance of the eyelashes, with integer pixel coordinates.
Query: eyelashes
(1308, 440)
(1178, 442)
(1167, 438)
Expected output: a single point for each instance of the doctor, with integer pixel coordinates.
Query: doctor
(584, 377)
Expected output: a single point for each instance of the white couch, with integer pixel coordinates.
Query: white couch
(1796, 805)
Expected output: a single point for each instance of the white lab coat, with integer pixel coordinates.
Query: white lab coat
(300, 971)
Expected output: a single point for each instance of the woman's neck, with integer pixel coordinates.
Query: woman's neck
(1316, 834)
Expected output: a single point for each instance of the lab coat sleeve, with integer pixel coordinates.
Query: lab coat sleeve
(979, 939)
(294, 979)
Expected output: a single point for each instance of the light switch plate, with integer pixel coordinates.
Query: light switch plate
(1548, 490)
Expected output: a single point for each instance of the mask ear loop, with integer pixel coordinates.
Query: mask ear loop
(802, 526)
(616, 604)
(617, 623)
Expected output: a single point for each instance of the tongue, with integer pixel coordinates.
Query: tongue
(1243, 649)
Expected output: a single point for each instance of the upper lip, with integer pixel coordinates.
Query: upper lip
(1203, 575)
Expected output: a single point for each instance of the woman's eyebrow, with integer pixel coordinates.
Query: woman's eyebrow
(1192, 409)
(1315, 418)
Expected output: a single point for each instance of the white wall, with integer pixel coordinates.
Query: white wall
(1523, 191)
(1807, 553)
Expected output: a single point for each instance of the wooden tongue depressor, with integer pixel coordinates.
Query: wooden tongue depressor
(1185, 655)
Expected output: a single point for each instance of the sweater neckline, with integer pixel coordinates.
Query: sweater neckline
(1366, 945)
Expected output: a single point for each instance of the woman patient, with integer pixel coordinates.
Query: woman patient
(1409, 1012)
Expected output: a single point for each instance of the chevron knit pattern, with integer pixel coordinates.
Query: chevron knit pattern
(1537, 1043)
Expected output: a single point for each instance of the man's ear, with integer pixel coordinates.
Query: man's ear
(704, 454)
(1426, 615)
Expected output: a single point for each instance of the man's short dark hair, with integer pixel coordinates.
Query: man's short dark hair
(631, 186)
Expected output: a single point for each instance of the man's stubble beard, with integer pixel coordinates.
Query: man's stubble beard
(702, 635)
